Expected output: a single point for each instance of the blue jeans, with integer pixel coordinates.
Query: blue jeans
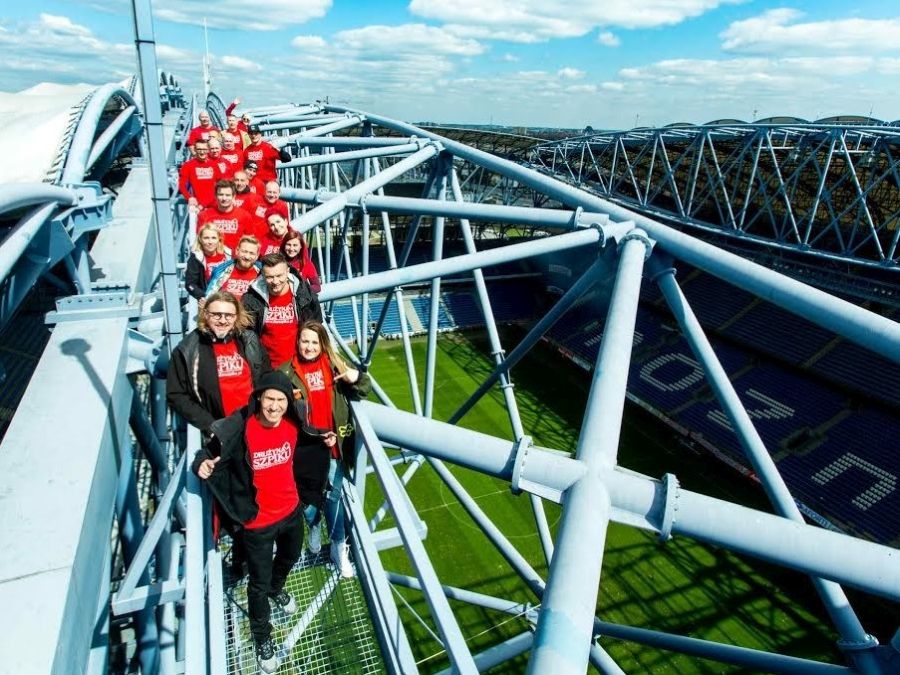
(335, 517)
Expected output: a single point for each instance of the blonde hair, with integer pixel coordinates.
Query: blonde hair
(324, 340)
(241, 320)
(209, 228)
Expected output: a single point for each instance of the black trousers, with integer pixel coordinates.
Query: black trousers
(267, 576)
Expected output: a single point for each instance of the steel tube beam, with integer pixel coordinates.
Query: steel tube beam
(145, 43)
(18, 240)
(83, 141)
(463, 595)
(350, 155)
(334, 206)
(500, 653)
(859, 325)
(416, 206)
(834, 598)
(14, 197)
(565, 626)
(300, 122)
(752, 659)
(453, 640)
(324, 130)
(460, 263)
(352, 141)
(108, 135)
(472, 449)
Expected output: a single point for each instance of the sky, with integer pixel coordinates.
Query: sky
(611, 64)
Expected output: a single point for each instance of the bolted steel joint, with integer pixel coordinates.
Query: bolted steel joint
(638, 234)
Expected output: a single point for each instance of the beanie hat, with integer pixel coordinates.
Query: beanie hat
(274, 379)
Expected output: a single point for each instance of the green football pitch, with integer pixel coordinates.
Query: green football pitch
(681, 586)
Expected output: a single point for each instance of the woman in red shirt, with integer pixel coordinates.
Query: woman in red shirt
(326, 384)
(296, 252)
(208, 252)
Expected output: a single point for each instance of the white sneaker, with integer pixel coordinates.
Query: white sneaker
(314, 545)
(340, 556)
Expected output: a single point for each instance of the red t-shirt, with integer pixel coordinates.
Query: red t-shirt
(269, 243)
(233, 158)
(210, 261)
(279, 333)
(265, 155)
(319, 386)
(257, 187)
(199, 133)
(271, 454)
(224, 167)
(235, 381)
(198, 179)
(239, 281)
(232, 224)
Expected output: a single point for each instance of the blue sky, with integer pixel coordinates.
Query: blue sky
(610, 64)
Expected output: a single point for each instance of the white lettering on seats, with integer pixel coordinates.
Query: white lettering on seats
(771, 410)
(685, 382)
(885, 482)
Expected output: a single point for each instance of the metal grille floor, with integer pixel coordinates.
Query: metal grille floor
(330, 632)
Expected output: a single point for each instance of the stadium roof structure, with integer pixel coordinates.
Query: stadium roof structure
(827, 189)
(99, 383)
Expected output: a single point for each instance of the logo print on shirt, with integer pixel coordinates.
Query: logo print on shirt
(237, 286)
(204, 172)
(283, 314)
(315, 381)
(230, 366)
(266, 459)
(255, 155)
(226, 225)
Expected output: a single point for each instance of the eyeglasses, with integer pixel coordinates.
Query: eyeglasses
(221, 315)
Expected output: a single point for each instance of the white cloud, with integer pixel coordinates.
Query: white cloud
(777, 31)
(608, 39)
(568, 73)
(54, 48)
(509, 58)
(309, 42)
(257, 15)
(240, 63)
(581, 89)
(408, 38)
(539, 20)
(612, 86)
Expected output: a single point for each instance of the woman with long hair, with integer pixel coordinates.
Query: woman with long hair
(296, 252)
(327, 384)
(209, 252)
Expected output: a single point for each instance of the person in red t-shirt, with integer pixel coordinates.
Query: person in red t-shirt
(235, 276)
(264, 154)
(231, 153)
(296, 252)
(241, 139)
(322, 379)
(231, 221)
(280, 319)
(215, 155)
(244, 122)
(276, 217)
(205, 131)
(207, 254)
(197, 178)
(247, 200)
(257, 465)
(256, 185)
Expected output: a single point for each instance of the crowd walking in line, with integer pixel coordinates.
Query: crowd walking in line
(258, 376)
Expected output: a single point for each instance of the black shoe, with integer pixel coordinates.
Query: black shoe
(284, 600)
(265, 656)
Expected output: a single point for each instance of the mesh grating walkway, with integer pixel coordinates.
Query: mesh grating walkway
(330, 633)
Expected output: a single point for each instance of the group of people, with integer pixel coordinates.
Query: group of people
(260, 379)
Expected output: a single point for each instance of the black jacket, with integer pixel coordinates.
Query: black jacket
(231, 482)
(256, 299)
(192, 383)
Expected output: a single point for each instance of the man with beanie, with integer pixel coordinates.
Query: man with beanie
(262, 464)
(264, 154)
